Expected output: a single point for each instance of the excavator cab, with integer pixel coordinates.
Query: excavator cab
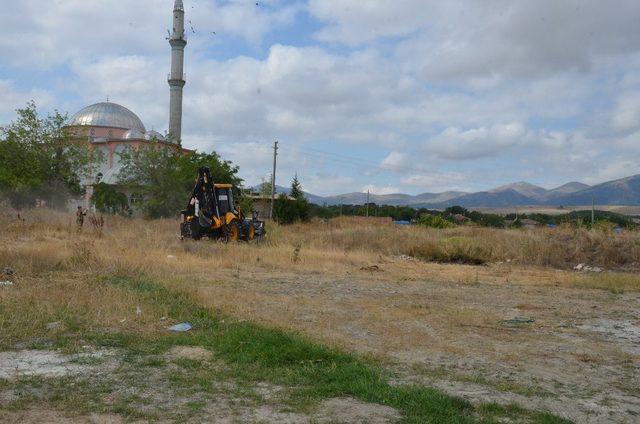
(211, 212)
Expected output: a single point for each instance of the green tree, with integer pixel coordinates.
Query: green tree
(289, 210)
(109, 200)
(456, 210)
(164, 176)
(296, 189)
(41, 160)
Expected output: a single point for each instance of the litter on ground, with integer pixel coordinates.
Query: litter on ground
(180, 328)
(517, 321)
(587, 268)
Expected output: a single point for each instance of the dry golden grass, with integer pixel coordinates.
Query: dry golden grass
(347, 286)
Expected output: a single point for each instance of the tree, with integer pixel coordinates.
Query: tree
(296, 189)
(109, 200)
(165, 176)
(289, 210)
(456, 210)
(41, 160)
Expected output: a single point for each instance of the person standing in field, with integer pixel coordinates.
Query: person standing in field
(80, 214)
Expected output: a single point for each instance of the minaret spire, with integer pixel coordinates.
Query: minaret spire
(177, 81)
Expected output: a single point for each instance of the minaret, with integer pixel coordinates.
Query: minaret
(178, 42)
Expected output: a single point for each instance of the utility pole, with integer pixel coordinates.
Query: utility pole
(367, 204)
(273, 178)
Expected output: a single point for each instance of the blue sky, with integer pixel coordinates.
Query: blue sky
(392, 96)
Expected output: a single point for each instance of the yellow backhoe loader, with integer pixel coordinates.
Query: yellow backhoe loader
(211, 212)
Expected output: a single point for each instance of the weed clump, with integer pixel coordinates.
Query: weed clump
(453, 251)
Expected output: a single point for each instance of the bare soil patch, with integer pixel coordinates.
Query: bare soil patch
(47, 363)
(442, 325)
(195, 353)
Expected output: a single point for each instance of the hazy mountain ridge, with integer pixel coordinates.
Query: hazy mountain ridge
(624, 191)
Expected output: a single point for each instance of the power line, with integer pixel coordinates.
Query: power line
(350, 160)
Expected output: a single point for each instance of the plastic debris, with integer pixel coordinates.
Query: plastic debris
(6, 283)
(138, 311)
(172, 257)
(517, 321)
(587, 268)
(180, 328)
(405, 258)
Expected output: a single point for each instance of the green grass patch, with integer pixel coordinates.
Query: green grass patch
(310, 371)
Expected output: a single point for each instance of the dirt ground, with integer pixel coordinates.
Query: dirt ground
(542, 338)
(152, 391)
(448, 326)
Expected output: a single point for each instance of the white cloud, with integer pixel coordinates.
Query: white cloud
(547, 89)
(13, 98)
(626, 115)
(455, 143)
(395, 161)
(354, 22)
(436, 180)
(385, 189)
(323, 183)
(49, 33)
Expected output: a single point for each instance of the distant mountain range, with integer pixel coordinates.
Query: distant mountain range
(625, 191)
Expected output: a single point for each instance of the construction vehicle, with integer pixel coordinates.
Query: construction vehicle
(212, 213)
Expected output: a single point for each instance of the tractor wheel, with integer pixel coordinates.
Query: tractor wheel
(232, 231)
(196, 230)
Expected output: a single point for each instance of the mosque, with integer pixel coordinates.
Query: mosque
(112, 128)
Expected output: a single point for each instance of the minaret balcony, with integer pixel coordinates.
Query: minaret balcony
(178, 41)
(177, 81)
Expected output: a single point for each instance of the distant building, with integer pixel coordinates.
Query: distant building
(110, 129)
(262, 203)
(460, 219)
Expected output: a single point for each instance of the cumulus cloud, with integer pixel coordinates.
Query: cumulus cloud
(427, 95)
(626, 115)
(465, 39)
(455, 143)
(48, 33)
(395, 161)
(376, 189)
(14, 98)
(436, 180)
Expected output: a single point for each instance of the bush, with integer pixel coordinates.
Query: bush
(454, 250)
(288, 211)
(435, 221)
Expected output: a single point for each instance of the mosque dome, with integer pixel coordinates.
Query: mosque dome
(107, 115)
(154, 135)
(133, 134)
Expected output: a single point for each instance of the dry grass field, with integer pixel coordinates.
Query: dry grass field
(517, 333)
